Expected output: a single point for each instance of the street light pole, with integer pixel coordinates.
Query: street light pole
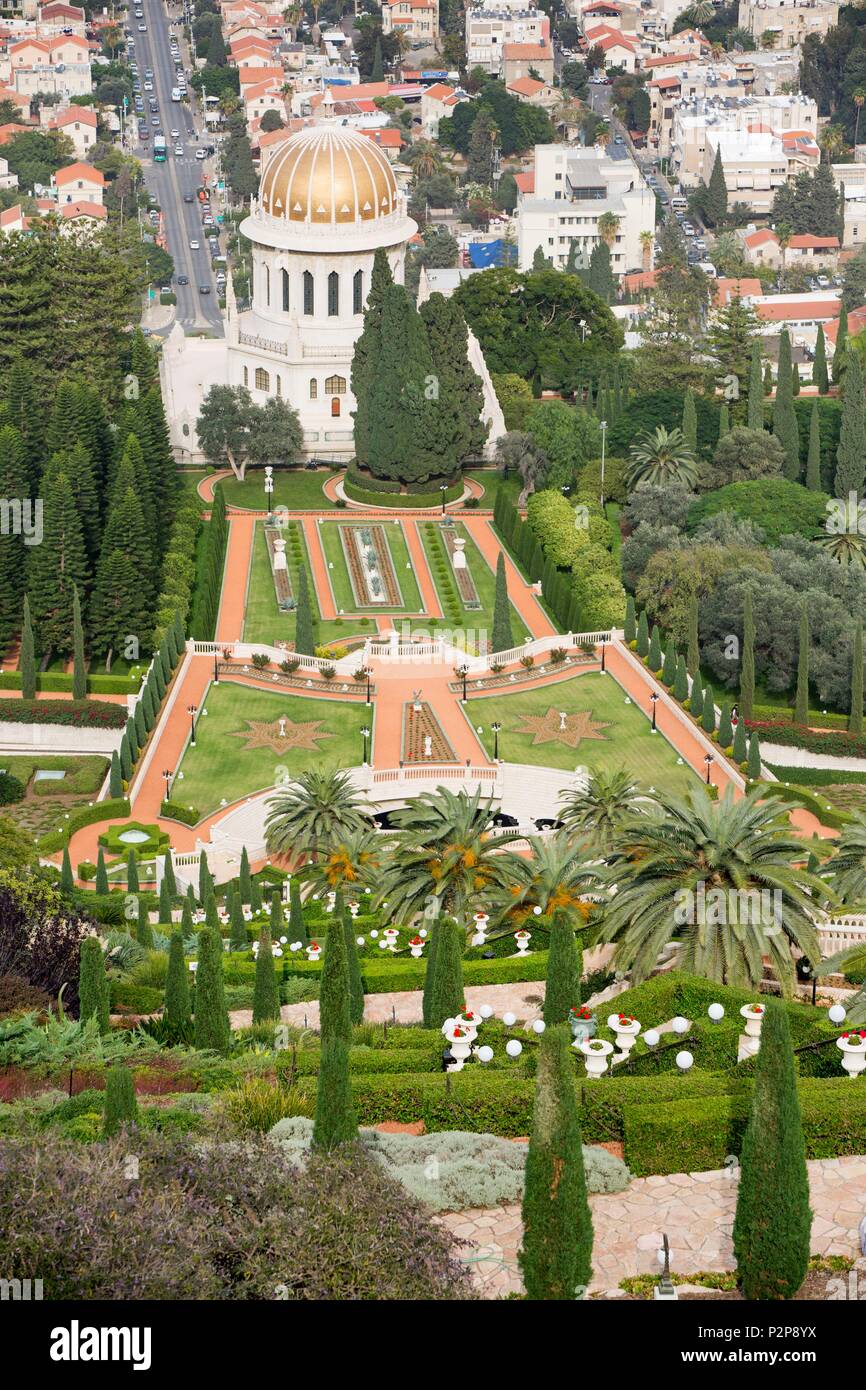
(496, 731)
(443, 489)
(603, 427)
(709, 760)
(191, 711)
(365, 734)
(167, 775)
(368, 671)
(216, 670)
(269, 488)
(653, 699)
(463, 671)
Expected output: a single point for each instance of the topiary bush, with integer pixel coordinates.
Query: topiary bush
(11, 789)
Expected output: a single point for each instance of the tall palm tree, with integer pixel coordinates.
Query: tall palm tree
(608, 226)
(351, 862)
(661, 457)
(424, 158)
(832, 141)
(443, 858)
(555, 874)
(725, 877)
(598, 812)
(700, 11)
(317, 811)
(858, 96)
(646, 240)
(784, 232)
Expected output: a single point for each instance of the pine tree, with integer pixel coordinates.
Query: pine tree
(724, 420)
(335, 1019)
(238, 938)
(851, 453)
(696, 698)
(56, 567)
(840, 352)
(131, 872)
(564, 969)
(100, 883)
(773, 1221)
(176, 1006)
(681, 680)
(503, 636)
(93, 990)
(26, 659)
(15, 482)
(446, 988)
(755, 407)
(121, 1108)
(747, 662)
(630, 627)
(801, 704)
(654, 657)
(693, 648)
(726, 729)
(212, 1029)
(784, 418)
(266, 998)
(164, 901)
(555, 1257)
(304, 643)
(456, 378)
(297, 930)
(143, 930)
(754, 768)
(356, 983)
(708, 714)
(855, 717)
(335, 1121)
(67, 881)
(244, 878)
(669, 669)
(813, 460)
(741, 746)
(820, 375)
(642, 635)
(115, 777)
(690, 421)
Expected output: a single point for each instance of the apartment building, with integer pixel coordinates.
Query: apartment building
(788, 21)
(417, 19)
(495, 23)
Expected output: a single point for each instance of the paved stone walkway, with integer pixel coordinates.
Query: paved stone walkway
(696, 1210)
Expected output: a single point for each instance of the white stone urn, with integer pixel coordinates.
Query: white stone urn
(416, 947)
(853, 1048)
(470, 1020)
(392, 936)
(481, 919)
(314, 952)
(626, 1029)
(596, 1052)
(460, 1042)
(522, 940)
(354, 909)
(754, 1016)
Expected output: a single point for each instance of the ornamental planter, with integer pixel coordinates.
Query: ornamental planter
(596, 1052)
(416, 946)
(391, 937)
(626, 1029)
(470, 1021)
(584, 1025)
(754, 1016)
(853, 1049)
(522, 940)
(313, 952)
(460, 1042)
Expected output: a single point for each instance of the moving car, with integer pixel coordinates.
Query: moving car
(183, 279)
(142, 28)
(200, 154)
(193, 245)
(204, 289)
(188, 198)
(178, 149)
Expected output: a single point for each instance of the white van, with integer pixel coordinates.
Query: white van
(679, 203)
(175, 93)
(708, 268)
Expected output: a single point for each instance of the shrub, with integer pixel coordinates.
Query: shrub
(120, 1105)
(257, 1105)
(186, 815)
(11, 789)
(779, 507)
(93, 714)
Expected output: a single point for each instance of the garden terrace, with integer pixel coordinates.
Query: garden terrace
(454, 546)
(370, 569)
(419, 724)
(282, 581)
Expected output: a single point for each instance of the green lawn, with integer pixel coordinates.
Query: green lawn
(627, 742)
(477, 621)
(263, 620)
(493, 483)
(224, 766)
(299, 489)
(46, 802)
(341, 583)
(191, 477)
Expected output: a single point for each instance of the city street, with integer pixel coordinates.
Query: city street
(179, 175)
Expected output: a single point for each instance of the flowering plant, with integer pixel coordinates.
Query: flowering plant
(625, 1019)
(580, 1011)
(858, 1037)
(459, 1032)
(756, 1008)
(522, 933)
(416, 941)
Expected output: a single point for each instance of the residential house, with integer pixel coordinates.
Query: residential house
(527, 60)
(79, 124)
(79, 183)
(417, 19)
(493, 24)
(788, 21)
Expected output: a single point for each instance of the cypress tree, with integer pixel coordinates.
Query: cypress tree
(356, 984)
(168, 873)
(266, 999)
(244, 885)
(693, 648)
(430, 972)
(820, 375)
(186, 922)
(144, 931)
(377, 72)
(121, 1108)
(642, 635)
(768, 379)
(255, 895)
(367, 350)
(795, 379)
(335, 1121)
(747, 662)
(755, 405)
(784, 418)
(335, 1018)
(79, 672)
(164, 901)
(669, 670)
(741, 746)
(555, 1256)
(205, 881)
(708, 714)
(101, 880)
(851, 452)
(212, 1029)
(681, 680)
(654, 657)
(446, 990)
(297, 930)
(503, 637)
(211, 919)
(690, 421)
(564, 969)
(124, 757)
(238, 938)
(773, 1221)
(115, 777)
(93, 989)
(630, 628)
(131, 872)
(724, 420)
(696, 698)
(140, 725)
(276, 914)
(176, 1006)
(726, 729)
(304, 643)
(754, 768)
(840, 352)
(716, 198)
(855, 717)
(67, 882)
(132, 739)
(801, 704)
(813, 460)
(27, 659)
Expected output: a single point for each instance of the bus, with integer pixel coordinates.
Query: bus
(159, 149)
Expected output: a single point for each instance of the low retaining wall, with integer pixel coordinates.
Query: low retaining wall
(57, 738)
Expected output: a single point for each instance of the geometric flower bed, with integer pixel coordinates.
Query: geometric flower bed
(144, 840)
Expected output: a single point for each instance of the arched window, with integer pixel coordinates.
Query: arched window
(263, 380)
(314, 388)
(333, 294)
(335, 405)
(268, 286)
(309, 294)
(246, 376)
(358, 292)
(285, 279)
(279, 385)
(335, 386)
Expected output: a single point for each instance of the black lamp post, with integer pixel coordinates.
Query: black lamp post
(496, 731)
(368, 671)
(191, 711)
(443, 489)
(603, 649)
(365, 734)
(167, 775)
(709, 760)
(463, 672)
(653, 700)
(216, 670)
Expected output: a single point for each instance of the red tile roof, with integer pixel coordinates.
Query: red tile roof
(805, 241)
(818, 310)
(80, 170)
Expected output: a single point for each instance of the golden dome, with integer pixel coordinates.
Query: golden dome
(328, 176)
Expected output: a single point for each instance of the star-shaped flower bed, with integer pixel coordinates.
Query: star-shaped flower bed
(281, 735)
(546, 728)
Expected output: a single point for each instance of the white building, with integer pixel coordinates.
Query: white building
(495, 23)
(574, 186)
(789, 21)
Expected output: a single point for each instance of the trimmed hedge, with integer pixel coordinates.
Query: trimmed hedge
(836, 743)
(186, 815)
(59, 680)
(81, 714)
(383, 976)
(374, 498)
(88, 815)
